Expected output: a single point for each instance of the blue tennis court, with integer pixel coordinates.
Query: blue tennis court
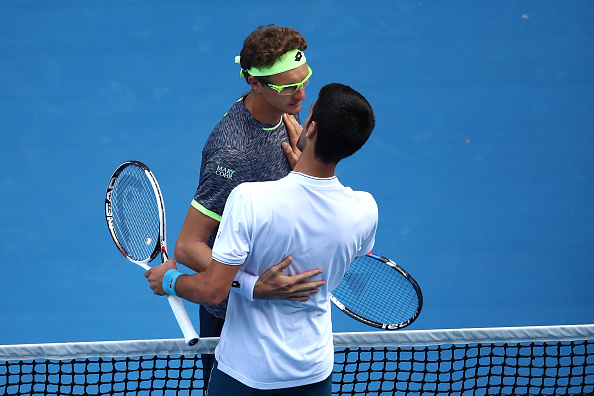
(481, 161)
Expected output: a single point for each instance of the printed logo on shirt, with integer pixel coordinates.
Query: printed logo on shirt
(225, 172)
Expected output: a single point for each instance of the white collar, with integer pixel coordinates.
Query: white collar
(313, 181)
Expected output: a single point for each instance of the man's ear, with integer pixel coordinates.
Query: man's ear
(254, 83)
(312, 130)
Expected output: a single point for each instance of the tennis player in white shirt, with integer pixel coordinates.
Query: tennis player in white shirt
(277, 347)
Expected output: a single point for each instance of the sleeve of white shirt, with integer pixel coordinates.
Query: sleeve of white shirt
(369, 240)
(232, 243)
(236, 218)
(237, 243)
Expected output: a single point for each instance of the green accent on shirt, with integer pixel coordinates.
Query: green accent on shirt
(274, 127)
(205, 211)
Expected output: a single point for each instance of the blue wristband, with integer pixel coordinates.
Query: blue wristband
(169, 280)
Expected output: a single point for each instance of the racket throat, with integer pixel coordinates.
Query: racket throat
(164, 255)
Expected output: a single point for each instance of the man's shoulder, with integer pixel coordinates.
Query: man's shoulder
(264, 193)
(259, 187)
(364, 195)
(366, 198)
(233, 129)
(364, 201)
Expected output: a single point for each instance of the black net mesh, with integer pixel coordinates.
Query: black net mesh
(560, 368)
(511, 368)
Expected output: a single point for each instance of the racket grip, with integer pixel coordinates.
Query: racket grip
(185, 324)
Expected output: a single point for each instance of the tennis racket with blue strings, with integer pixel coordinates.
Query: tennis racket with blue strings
(135, 214)
(378, 292)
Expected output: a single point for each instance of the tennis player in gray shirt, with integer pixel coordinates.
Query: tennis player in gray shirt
(251, 143)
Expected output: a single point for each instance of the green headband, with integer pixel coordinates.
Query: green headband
(288, 61)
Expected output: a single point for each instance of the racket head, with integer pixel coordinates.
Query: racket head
(378, 292)
(135, 212)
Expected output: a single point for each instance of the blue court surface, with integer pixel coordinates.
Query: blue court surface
(482, 160)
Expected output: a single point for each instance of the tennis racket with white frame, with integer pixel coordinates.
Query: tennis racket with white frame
(378, 292)
(135, 214)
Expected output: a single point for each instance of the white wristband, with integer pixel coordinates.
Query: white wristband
(243, 284)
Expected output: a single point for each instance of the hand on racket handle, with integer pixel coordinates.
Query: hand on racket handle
(155, 278)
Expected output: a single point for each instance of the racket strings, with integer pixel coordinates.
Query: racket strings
(135, 213)
(378, 292)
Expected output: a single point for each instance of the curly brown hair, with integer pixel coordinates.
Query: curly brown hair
(267, 43)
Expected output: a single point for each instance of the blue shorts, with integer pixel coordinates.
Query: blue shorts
(222, 384)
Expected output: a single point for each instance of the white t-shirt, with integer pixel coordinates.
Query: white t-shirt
(271, 344)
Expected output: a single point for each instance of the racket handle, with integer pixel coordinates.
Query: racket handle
(177, 306)
(179, 310)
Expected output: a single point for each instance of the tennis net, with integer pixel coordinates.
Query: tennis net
(539, 360)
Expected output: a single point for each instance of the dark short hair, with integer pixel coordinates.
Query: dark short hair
(267, 43)
(345, 120)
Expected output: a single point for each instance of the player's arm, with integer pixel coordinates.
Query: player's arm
(275, 285)
(192, 250)
(209, 287)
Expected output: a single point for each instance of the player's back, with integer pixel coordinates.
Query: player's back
(321, 224)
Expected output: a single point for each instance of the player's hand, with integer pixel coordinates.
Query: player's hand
(274, 285)
(293, 130)
(155, 276)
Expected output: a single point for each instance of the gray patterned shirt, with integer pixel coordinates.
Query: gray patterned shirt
(239, 149)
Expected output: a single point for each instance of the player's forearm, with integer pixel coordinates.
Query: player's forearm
(198, 289)
(209, 287)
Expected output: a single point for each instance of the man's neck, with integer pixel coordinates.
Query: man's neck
(312, 166)
(261, 110)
